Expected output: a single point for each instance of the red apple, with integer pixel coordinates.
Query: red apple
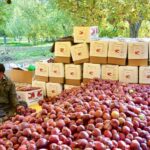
(125, 129)
(107, 133)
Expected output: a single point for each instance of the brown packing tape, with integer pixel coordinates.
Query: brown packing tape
(81, 61)
(116, 61)
(98, 60)
(138, 62)
(73, 82)
(56, 80)
(41, 78)
(144, 83)
(66, 60)
(85, 80)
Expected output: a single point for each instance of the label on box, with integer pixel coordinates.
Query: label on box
(53, 89)
(72, 71)
(62, 49)
(110, 72)
(117, 49)
(40, 84)
(93, 33)
(144, 75)
(30, 97)
(41, 69)
(79, 52)
(98, 48)
(128, 74)
(138, 50)
(56, 70)
(91, 71)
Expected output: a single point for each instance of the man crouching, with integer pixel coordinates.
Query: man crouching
(8, 97)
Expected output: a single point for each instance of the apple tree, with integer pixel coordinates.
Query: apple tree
(115, 13)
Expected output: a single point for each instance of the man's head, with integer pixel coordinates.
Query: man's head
(2, 70)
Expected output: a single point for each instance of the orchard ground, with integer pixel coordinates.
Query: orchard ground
(24, 52)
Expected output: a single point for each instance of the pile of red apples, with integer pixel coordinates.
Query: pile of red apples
(100, 115)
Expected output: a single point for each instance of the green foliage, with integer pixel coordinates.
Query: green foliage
(5, 13)
(50, 19)
(112, 13)
(35, 20)
(145, 29)
(85, 12)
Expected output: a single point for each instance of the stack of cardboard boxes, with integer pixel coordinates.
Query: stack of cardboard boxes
(49, 77)
(125, 60)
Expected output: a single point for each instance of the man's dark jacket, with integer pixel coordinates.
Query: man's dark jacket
(8, 97)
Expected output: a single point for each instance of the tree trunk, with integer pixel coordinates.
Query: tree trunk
(5, 39)
(28, 40)
(134, 29)
(46, 39)
(34, 40)
(41, 40)
(20, 38)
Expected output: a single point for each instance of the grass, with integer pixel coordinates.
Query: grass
(20, 55)
(24, 42)
(16, 44)
(19, 44)
(25, 55)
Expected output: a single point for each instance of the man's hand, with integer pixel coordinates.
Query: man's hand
(20, 109)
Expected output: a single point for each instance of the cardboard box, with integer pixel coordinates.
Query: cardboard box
(20, 76)
(99, 51)
(73, 74)
(110, 72)
(67, 87)
(128, 74)
(144, 75)
(62, 52)
(53, 89)
(149, 53)
(80, 53)
(56, 72)
(85, 34)
(137, 53)
(31, 97)
(42, 71)
(40, 84)
(91, 71)
(117, 53)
